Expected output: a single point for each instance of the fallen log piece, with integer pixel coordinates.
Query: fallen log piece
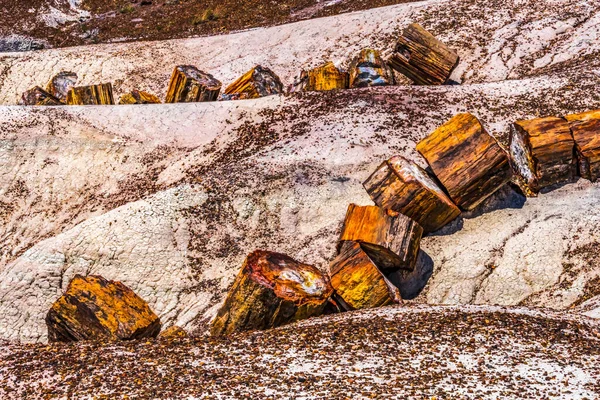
(391, 242)
(272, 289)
(188, 84)
(467, 160)
(139, 97)
(422, 58)
(91, 95)
(369, 69)
(357, 282)
(173, 333)
(258, 82)
(542, 152)
(323, 78)
(584, 116)
(587, 143)
(402, 187)
(39, 97)
(94, 308)
(60, 84)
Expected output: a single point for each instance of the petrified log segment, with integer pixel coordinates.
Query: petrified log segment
(584, 116)
(272, 289)
(94, 308)
(91, 95)
(467, 160)
(39, 97)
(391, 242)
(189, 84)
(401, 186)
(258, 82)
(173, 333)
(587, 143)
(60, 84)
(357, 281)
(422, 58)
(542, 152)
(369, 69)
(323, 78)
(139, 97)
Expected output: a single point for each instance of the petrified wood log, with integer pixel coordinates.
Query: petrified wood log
(466, 159)
(422, 58)
(401, 186)
(391, 242)
(173, 333)
(94, 308)
(91, 95)
(357, 281)
(542, 152)
(60, 84)
(587, 143)
(369, 69)
(39, 97)
(189, 84)
(139, 97)
(584, 116)
(258, 82)
(323, 78)
(272, 289)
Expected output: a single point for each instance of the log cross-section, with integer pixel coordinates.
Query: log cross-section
(466, 159)
(188, 84)
(258, 82)
(101, 94)
(401, 186)
(369, 69)
(272, 289)
(391, 242)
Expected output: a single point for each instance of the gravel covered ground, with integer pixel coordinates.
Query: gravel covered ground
(414, 352)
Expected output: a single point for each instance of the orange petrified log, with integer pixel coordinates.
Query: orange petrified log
(369, 69)
(272, 289)
(357, 281)
(584, 116)
(188, 84)
(325, 77)
(258, 82)
(391, 242)
(403, 187)
(586, 132)
(422, 58)
(91, 95)
(542, 152)
(39, 97)
(139, 97)
(467, 160)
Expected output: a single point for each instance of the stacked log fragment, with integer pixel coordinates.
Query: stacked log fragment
(258, 82)
(60, 84)
(139, 97)
(39, 97)
(323, 78)
(369, 69)
(467, 160)
(188, 84)
(272, 289)
(101, 94)
(422, 58)
(586, 133)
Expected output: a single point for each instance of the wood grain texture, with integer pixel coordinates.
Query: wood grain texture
(391, 242)
(542, 152)
(369, 69)
(466, 159)
(188, 85)
(584, 116)
(272, 289)
(101, 94)
(258, 82)
(423, 58)
(39, 97)
(586, 133)
(323, 78)
(139, 97)
(402, 187)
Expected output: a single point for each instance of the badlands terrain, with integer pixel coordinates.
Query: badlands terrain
(169, 199)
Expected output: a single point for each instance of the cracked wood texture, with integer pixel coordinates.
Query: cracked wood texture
(94, 308)
(39, 97)
(466, 159)
(272, 289)
(323, 78)
(189, 85)
(258, 82)
(423, 58)
(357, 281)
(401, 186)
(542, 151)
(60, 84)
(369, 69)
(101, 94)
(139, 97)
(587, 143)
(391, 242)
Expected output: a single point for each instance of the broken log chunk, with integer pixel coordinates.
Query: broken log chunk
(323, 78)
(542, 152)
(139, 97)
(173, 333)
(357, 282)
(401, 186)
(587, 143)
(60, 84)
(369, 69)
(188, 84)
(584, 116)
(422, 58)
(258, 82)
(391, 242)
(39, 97)
(466, 159)
(94, 308)
(91, 95)
(272, 289)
